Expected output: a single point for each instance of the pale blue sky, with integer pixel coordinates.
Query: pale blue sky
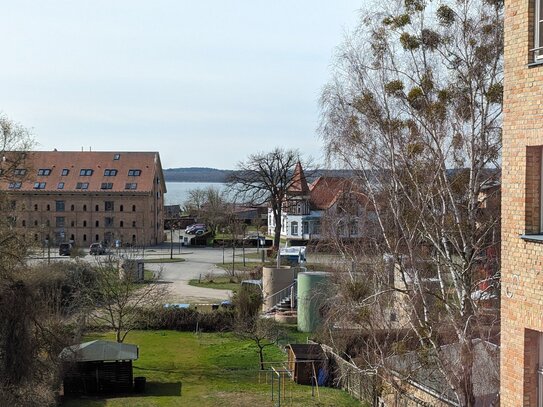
(205, 83)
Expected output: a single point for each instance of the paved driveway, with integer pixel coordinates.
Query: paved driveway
(198, 262)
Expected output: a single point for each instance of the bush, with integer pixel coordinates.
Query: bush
(186, 319)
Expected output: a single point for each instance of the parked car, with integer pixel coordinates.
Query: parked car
(255, 240)
(97, 249)
(65, 249)
(197, 229)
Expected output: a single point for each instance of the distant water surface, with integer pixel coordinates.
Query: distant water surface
(178, 192)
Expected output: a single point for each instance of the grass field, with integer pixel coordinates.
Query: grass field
(218, 282)
(206, 370)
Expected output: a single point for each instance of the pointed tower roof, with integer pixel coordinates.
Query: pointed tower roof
(299, 183)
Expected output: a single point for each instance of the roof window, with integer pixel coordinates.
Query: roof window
(106, 185)
(110, 172)
(39, 185)
(131, 185)
(134, 173)
(44, 171)
(60, 185)
(14, 185)
(85, 172)
(82, 185)
(19, 171)
(117, 157)
(65, 171)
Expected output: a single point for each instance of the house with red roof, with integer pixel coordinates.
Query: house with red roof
(329, 207)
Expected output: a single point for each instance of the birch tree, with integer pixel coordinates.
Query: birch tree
(414, 106)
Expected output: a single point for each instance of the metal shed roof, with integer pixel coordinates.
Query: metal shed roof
(100, 351)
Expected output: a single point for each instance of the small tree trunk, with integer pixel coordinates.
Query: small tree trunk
(261, 356)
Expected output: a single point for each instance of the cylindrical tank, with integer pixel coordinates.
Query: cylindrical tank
(273, 281)
(312, 290)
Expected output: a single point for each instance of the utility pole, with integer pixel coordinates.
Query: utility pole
(171, 242)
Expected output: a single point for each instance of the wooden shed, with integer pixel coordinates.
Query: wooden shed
(98, 367)
(305, 361)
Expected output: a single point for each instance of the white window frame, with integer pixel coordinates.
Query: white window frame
(538, 22)
(294, 228)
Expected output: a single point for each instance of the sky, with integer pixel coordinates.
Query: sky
(205, 83)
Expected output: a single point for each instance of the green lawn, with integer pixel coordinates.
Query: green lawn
(206, 370)
(164, 260)
(218, 282)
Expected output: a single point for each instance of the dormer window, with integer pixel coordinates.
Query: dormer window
(14, 185)
(106, 185)
(117, 157)
(60, 185)
(110, 173)
(134, 173)
(44, 172)
(39, 185)
(131, 185)
(82, 185)
(85, 172)
(65, 171)
(19, 171)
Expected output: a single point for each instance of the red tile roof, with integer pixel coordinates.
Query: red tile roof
(325, 191)
(97, 161)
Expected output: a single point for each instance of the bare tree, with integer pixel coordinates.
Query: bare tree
(116, 298)
(265, 178)
(210, 205)
(415, 109)
(263, 332)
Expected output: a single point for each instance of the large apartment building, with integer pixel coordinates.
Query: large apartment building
(522, 207)
(86, 197)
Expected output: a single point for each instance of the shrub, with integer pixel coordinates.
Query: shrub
(185, 319)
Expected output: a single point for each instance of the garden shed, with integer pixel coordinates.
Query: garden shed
(306, 361)
(98, 367)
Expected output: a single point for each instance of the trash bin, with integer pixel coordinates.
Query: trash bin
(139, 384)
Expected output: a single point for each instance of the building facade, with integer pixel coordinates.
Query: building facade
(329, 207)
(522, 221)
(87, 197)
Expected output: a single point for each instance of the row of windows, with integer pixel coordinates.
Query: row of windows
(80, 185)
(72, 238)
(84, 172)
(60, 222)
(60, 207)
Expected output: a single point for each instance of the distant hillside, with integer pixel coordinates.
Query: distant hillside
(196, 174)
(204, 174)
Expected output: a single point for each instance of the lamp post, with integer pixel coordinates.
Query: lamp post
(171, 242)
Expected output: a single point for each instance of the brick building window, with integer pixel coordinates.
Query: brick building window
(72, 208)
(133, 208)
(97, 223)
(59, 221)
(121, 224)
(35, 223)
(131, 185)
(14, 185)
(133, 223)
(97, 238)
(534, 192)
(65, 171)
(72, 223)
(84, 223)
(24, 223)
(108, 222)
(108, 205)
(84, 207)
(19, 171)
(134, 173)
(48, 207)
(106, 185)
(60, 185)
(84, 238)
(121, 208)
(82, 185)
(39, 185)
(59, 206)
(97, 208)
(538, 31)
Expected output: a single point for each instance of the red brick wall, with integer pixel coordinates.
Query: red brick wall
(522, 261)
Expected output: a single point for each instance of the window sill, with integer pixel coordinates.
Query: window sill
(532, 238)
(535, 63)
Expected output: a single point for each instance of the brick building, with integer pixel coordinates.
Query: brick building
(522, 221)
(87, 197)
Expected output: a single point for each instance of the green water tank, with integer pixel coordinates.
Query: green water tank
(313, 287)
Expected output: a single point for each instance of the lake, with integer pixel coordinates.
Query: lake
(178, 192)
